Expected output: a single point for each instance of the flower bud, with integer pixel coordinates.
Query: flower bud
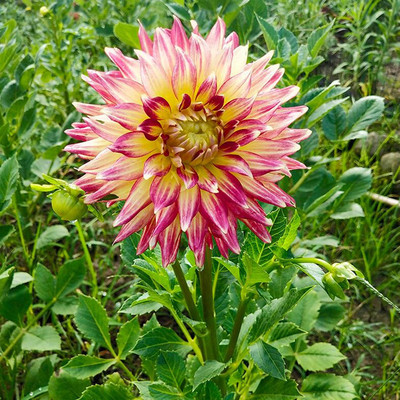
(68, 206)
(332, 287)
(346, 271)
(43, 11)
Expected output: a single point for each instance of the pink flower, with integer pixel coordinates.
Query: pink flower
(191, 137)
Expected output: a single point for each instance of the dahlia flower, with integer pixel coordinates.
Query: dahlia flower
(191, 137)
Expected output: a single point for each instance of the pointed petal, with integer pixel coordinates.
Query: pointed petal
(215, 38)
(156, 107)
(196, 232)
(164, 190)
(128, 66)
(200, 54)
(156, 165)
(188, 175)
(184, 76)
(169, 240)
(232, 163)
(207, 89)
(133, 144)
(164, 218)
(164, 50)
(178, 35)
(150, 128)
(259, 229)
(128, 115)
(206, 180)
(214, 210)
(89, 109)
(140, 220)
(237, 109)
(126, 168)
(284, 116)
(145, 42)
(146, 236)
(137, 200)
(102, 161)
(188, 203)
(90, 148)
(273, 149)
(239, 59)
(237, 86)
(260, 165)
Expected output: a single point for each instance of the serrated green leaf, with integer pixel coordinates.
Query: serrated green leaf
(355, 182)
(254, 272)
(275, 389)
(285, 333)
(109, 391)
(15, 304)
(41, 338)
(319, 357)
(91, 319)
(127, 337)
(268, 359)
(272, 313)
(330, 315)
(171, 368)
(210, 369)
(8, 181)
(70, 276)
(83, 367)
(305, 312)
(159, 391)
(159, 339)
(327, 387)
(52, 234)
(290, 233)
(349, 210)
(66, 387)
(364, 112)
(318, 38)
(44, 283)
(334, 123)
(270, 34)
(208, 391)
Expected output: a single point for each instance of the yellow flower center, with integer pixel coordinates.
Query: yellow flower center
(193, 140)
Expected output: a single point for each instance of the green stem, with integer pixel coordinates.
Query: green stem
(302, 260)
(244, 301)
(208, 307)
(187, 295)
(23, 330)
(87, 257)
(20, 231)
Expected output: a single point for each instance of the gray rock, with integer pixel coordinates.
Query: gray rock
(390, 162)
(371, 143)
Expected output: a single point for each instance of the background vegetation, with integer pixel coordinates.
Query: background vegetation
(344, 55)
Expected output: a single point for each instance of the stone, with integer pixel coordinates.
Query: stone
(390, 162)
(371, 143)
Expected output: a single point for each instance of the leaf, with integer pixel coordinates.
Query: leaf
(91, 319)
(305, 313)
(171, 368)
(41, 338)
(285, 333)
(290, 233)
(364, 112)
(179, 11)
(274, 312)
(44, 283)
(319, 356)
(66, 387)
(127, 34)
(270, 34)
(230, 266)
(330, 315)
(127, 338)
(254, 272)
(355, 182)
(275, 389)
(210, 369)
(70, 276)
(268, 359)
(334, 123)
(86, 366)
(318, 38)
(350, 210)
(109, 391)
(8, 181)
(159, 339)
(208, 391)
(38, 373)
(52, 234)
(15, 304)
(327, 387)
(159, 391)
(65, 306)
(6, 279)
(5, 232)
(20, 278)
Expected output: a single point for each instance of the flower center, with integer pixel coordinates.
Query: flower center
(193, 140)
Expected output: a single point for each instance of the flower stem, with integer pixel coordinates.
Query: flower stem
(87, 257)
(208, 307)
(187, 295)
(244, 301)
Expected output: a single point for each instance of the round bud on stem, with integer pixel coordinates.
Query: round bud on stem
(67, 206)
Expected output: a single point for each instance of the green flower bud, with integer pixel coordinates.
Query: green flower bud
(68, 206)
(332, 287)
(346, 271)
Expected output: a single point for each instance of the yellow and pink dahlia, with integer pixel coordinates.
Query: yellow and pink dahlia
(191, 137)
